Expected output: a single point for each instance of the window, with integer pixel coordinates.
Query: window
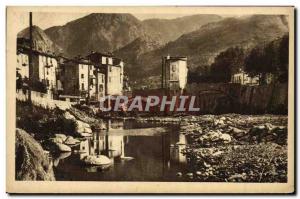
(109, 79)
(82, 86)
(102, 76)
(100, 88)
(173, 68)
(110, 68)
(82, 75)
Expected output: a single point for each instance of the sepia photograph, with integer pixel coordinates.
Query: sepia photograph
(171, 99)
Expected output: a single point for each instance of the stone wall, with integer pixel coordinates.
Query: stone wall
(43, 100)
(227, 98)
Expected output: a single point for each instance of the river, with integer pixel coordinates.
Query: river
(137, 156)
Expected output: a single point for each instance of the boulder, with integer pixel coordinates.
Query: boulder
(99, 160)
(178, 174)
(85, 134)
(219, 122)
(61, 136)
(83, 127)
(56, 140)
(32, 163)
(63, 147)
(69, 116)
(226, 138)
(71, 141)
(190, 175)
(238, 132)
(60, 157)
(215, 136)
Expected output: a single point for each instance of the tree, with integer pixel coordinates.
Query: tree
(271, 58)
(253, 63)
(227, 63)
(284, 58)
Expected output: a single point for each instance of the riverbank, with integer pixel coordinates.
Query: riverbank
(230, 147)
(237, 148)
(54, 132)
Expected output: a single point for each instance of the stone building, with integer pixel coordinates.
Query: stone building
(22, 63)
(243, 78)
(174, 72)
(81, 79)
(44, 68)
(113, 69)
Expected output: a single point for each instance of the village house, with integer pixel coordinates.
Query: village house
(113, 69)
(44, 68)
(81, 80)
(174, 72)
(22, 63)
(243, 78)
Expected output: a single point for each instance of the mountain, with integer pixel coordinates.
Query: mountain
(111, 32)
(202, 45)
(98, 32)
(41, 41)
(159, 32)
(170, 29)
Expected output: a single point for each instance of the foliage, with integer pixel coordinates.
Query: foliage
(43, 123)
(271, 58)
(39, 86)
(227, 63)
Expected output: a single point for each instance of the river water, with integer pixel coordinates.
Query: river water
(138, 156)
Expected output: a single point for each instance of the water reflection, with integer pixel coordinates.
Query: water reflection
(176, 154)
(134, 157)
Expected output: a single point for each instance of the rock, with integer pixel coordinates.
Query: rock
(100, 160)
(226, 138)
(83, 127)
(269, 126)
(206, 165)
(198, 173)
(223, 118)
(219, 122)
(61, 136)
(88, 130)
(218, 153)
(215, 136)
(85, 134)
(71, 141)
(190, 175)
(61, 157)
(56, 140)
(238, 132)
(69, 116)
(63, 147)
(237, 177)
(31, 162)
(178, 174)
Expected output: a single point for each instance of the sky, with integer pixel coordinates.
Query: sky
(46, 20)
(42, 19)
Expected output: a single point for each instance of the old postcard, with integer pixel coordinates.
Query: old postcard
(150, 100)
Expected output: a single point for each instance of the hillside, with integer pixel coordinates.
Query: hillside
(98, 32)
(201, 46)
(110, 32)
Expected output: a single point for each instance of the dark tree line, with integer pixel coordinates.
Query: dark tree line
(271, 58)
(261, 60)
